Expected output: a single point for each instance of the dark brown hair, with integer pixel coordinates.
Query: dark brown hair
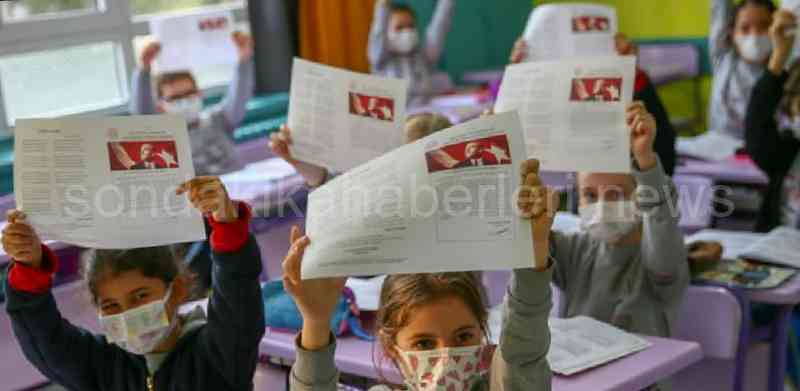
(768, 4)
(154, 262)
(401, 294)
(402, 7)
(172, 77)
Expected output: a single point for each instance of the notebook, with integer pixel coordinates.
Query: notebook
(579, 343)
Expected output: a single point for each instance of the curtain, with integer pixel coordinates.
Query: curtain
(335, 32)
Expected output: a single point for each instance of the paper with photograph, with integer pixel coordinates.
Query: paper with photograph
(443, 203)
(341, 119)
(106, 182)
(194, 41)
(573, 111)
(559, 31)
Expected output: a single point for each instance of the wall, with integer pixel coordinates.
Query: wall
(665, 20)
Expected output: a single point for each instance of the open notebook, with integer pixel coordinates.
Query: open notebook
(579, 343)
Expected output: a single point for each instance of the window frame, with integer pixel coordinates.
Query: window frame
(112, 21)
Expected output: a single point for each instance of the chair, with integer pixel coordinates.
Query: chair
(712, 316)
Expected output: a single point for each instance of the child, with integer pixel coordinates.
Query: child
(137, 292)
(774, 151)
(644, 91)
(210, 131)
(439, 316)
(417, 126)
(739, 48)
(628, 265)
(395, 49)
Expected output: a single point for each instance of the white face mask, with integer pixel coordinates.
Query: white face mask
(609, 221)
(139, 330)
(403, 41)
(189, 108)
(449, 369)
(754, 47)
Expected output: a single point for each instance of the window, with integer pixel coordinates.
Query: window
(145, 7)
(62, 81)
(21, 10)
(61, 57)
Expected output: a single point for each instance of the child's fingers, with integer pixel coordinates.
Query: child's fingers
(14, 215)
(195, 182)
(529, 166)
(19, 229)
(294, 234)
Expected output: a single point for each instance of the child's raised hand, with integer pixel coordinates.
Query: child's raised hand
(538, 203)
(149, 54)
(208, 195)
(316, 299)
(643, 134)
(782, 33)
(244, 45)
(279, 144)
(625, 47)
(519, 52)
(20, 241)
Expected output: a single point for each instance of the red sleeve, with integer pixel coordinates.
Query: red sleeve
(231, 237)
(642, 80)
(34, 280)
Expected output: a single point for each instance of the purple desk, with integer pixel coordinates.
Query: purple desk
(668, 63)
(483, 77)
(734, 171)
(665, 358)
(785, 297)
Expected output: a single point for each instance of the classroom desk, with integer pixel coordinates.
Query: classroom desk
(739, 171)
(637, 371)
(784, 297)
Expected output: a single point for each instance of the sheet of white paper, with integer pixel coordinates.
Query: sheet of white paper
(734, 243)
(559, 31)
(710, 146)
(573, 111)
(443, 203)
(340, 119)
(194, 41)
(791, 5)
(106, 182)
(367, 291)
(781, 246)
(579, 343)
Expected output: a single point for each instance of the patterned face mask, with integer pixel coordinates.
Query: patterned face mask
(141, 329)
(449, 369)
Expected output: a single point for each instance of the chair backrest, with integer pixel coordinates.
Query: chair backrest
(695, 196)
(669, 62)
(712, 317)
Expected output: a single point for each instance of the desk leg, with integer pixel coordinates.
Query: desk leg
(778, 346)
(745, 336)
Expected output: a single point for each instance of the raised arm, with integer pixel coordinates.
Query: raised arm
(235, 310)
(438, 29)
(377, 48)
(65, 354)
(520, 362)
(240, 90)
(142, 98)
(772, 151)
(719, 36)
(663, 248)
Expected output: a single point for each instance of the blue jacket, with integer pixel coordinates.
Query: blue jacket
(220, 355)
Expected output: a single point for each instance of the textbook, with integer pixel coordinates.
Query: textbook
(579, 343)
(781, 246)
